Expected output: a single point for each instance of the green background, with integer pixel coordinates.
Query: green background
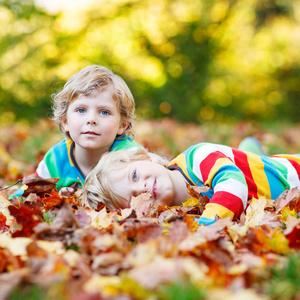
(192, 60)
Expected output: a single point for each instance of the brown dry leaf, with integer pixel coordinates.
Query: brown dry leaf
(82, 217)
(38, 185)
(289, 198)
(191, 244)
(110, 263)
(65, 217)
(159, 271)
(249, 259)
(148, 231)
(144, 206)
(178, 232)
(62, 228)
(256, 215)
(171, 215)
(128, 213)
(136, 201)
(195, 193)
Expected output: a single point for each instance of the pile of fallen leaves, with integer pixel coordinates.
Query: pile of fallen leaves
(23, 145)
(55, 248)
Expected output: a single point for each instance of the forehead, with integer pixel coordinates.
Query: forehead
(103, 97)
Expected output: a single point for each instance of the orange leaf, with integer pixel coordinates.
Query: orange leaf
(26, 218)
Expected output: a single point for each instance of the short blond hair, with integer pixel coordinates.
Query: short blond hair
(87, 82)
(98, 188)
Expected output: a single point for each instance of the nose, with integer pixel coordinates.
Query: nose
(91, 122)
(140, 189)
(92, 119)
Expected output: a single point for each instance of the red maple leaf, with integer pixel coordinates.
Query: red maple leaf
(26, 218)
(3, 226)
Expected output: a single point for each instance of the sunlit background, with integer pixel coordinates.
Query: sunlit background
(191, 60)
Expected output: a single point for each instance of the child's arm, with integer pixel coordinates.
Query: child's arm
(214, 166)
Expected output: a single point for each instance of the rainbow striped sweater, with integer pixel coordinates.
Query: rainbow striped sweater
(59, 161)
(235, 176)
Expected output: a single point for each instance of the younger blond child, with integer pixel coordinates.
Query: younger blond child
(94, 111)
(233, 176)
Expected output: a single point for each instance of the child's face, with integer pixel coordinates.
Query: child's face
(144, 177)
(94, 122)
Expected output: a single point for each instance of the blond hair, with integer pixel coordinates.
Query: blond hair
(98, 188)
(90, 80)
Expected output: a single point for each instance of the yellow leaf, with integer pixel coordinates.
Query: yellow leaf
(255, 212)
(279, 243)
(105, 284)
(286, 212)
(191, 201)
(235, 231)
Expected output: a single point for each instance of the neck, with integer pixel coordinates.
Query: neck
(180, 189)
(87, 159)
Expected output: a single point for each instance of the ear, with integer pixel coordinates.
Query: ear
(64, 124)
(123, 126)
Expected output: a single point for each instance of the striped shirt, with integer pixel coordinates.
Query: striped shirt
(59, 162)
(235, 176)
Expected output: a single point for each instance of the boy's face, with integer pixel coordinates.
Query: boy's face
(93, 122)
(143, 177)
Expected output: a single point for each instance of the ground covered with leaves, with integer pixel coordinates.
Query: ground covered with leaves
(55, 248)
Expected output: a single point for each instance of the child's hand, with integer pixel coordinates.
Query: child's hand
(66, 192)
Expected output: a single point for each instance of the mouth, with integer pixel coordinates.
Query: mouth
(154, 190)
(90, 133)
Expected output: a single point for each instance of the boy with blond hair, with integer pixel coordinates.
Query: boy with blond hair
(94, 111)
(233, 176)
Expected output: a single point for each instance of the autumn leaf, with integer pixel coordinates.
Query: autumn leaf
(144, 206)
(26, 218)
(160, 270)
(39, 185)
(289, 198)
(62, 228)
(195, 190)
(51, 200)
(3, 225)
(196, 198)
(4, 204)
(292, 233)
(171, 215)
(256, 214)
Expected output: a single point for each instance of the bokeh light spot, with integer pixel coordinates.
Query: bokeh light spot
(165, 107)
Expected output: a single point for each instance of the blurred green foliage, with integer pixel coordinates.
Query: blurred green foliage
(193, 60)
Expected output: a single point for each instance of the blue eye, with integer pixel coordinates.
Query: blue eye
(104, 112)
(134, 176)
(81, 110)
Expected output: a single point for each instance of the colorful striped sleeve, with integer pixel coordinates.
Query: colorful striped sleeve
(214, 165)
